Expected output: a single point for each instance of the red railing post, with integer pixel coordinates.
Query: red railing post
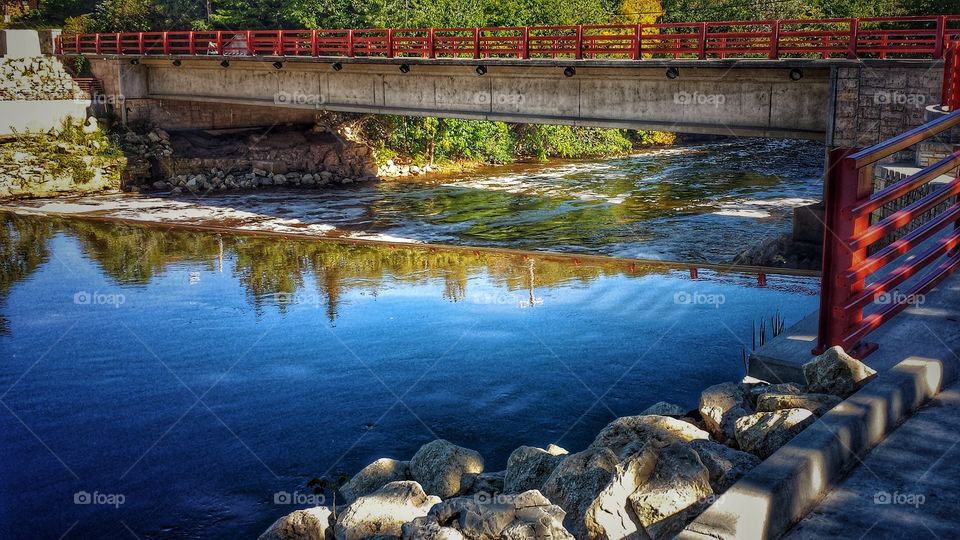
(251, 46)
(941, 37)
(702, 46)
(638, 42)
(119, 47)
(579, 52)
(166, 44)
(219, 42)
(389, 42)
(950, 95)
(278, 48)
(775, 41)
(854, 37)
(525, 43)
(476, 43)
(192, 41)
(140, 44)
(430, 48)
(349, 42)
(314, 44)
(844, 186)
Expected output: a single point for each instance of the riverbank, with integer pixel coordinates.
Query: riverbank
(645, 476)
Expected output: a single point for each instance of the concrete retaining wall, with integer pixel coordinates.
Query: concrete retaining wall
(25, 116)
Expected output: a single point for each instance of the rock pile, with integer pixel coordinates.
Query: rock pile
(644, 476)
(393, 170)
(36, 78)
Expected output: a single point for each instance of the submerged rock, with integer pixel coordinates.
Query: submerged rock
(309, 524)
(662, 408)
(374, 476)
(836, 372)
(676, 492)
(721, 405)
(529, 467)
(445, 469)
(627, 435)
(383, 512)
(818, 404)
(763, 433)
(724, 464)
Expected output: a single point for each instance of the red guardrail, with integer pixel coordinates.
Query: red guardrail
(850, 200)
(882, 37)
(950, 98)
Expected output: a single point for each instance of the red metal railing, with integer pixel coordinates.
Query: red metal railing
(951, 77)
(849, 199)
(883, 37)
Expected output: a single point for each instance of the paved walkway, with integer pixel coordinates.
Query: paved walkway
(907, 487)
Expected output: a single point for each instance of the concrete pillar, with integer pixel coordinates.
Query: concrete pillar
(19, 43)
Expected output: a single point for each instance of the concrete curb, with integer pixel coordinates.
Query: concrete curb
(783, 489)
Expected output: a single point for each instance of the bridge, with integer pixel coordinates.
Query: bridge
(789, 78)
(874, 90)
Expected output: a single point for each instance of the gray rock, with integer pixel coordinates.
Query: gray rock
(279, 179)
(662, 408)
(160, 184)
(836, 372)
(383, 512)
(427, 528)
(676, 492)
(577, 481)
(818, 404)
(479, 518)
(442, 468)
(489, 483)
(793, 389)
(610, 515)
(720, 406)
(763, 433)
(374, 476)
(629, 434)
(529, 467)
(309, 524)
(724, 464)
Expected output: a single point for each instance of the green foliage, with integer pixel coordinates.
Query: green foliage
(543, 141)
(69, 151)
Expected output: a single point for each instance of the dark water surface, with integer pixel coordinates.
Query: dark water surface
(196, 376)
(705, 202)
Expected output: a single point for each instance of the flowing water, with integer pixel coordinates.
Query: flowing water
(165, 384)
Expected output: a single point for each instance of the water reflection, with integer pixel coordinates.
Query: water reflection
(277, 272)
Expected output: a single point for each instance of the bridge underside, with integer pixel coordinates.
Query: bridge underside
(743, 98)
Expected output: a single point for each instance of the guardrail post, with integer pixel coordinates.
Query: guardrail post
(525, 43)
(140, 44)
(251, 46)
(219, 43)
(430, 52)
(119, 40)
(638, 42)
(579, 53)
(775, 41)
(854, 37)
(476, 43)
(166, 44)
(941, 37)
(278, 44)
(702, 48)
(96, 43)
(192, 41)
(389, 42)
(314, 44)
(349, 42)
(844, 186)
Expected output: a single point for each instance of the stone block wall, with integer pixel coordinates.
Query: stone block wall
(881, 99)
(36, 78)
